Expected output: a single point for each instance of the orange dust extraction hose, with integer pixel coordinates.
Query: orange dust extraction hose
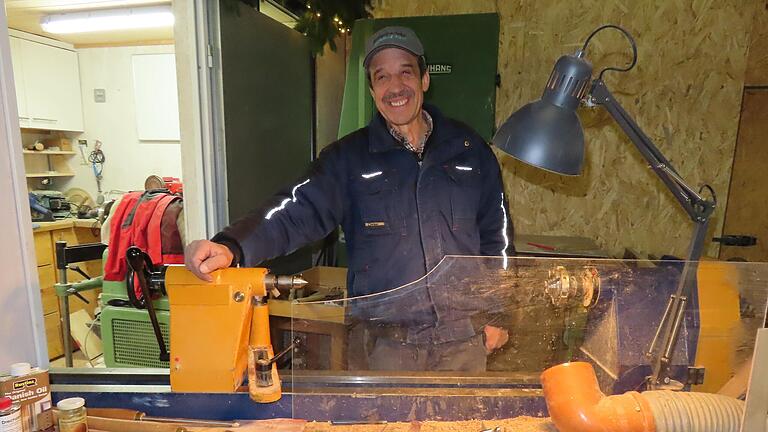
(576, 404)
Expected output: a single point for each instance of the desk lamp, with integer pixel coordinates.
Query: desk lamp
(547, 134)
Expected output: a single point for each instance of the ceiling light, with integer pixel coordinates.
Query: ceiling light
(108, 19)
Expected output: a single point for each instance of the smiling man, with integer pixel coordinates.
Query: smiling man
(410, 188)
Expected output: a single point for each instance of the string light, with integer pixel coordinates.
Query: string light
(317, 20)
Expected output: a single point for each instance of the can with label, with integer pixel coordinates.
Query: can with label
(30, 388)
(72, 415)
(10, 415)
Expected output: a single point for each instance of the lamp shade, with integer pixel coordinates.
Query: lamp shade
(545, 136)
(547, 133)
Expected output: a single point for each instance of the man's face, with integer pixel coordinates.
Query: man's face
(396, 85)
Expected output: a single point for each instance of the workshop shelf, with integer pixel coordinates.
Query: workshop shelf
(50, 152)
(51, 174)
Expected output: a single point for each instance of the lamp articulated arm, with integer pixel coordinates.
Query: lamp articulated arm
(547, 134)
(699, 209)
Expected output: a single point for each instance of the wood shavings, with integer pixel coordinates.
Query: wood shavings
(517, 424)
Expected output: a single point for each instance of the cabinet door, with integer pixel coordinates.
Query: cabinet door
(68, 100)
(43, 248)
(67, 235)
(77, 236)
(47, 275)
(52, 87)
(53, 335)
(85, 236)
(18, 80)
(39, 86)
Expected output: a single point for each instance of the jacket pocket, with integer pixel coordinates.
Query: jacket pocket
(374, 197)
(375, 217)
(359, 285)
(465, 196)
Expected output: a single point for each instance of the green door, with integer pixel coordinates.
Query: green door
(266, 82)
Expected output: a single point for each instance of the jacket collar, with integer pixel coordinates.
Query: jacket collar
(381, 139)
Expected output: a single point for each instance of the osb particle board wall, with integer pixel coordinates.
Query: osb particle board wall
(757, 59)
(685, 92)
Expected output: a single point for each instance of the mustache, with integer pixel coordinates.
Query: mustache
(402, 93)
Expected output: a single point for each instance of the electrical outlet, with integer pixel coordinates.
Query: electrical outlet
(99, 95)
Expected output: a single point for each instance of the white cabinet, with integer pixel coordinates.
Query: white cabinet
(47, 86)
(18, 79)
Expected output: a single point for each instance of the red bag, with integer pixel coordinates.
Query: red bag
(146, 220)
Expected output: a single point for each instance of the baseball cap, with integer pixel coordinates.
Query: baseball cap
(392, 37)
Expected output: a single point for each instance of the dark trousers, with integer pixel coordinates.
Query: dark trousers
(461, 356)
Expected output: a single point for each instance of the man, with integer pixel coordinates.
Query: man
(408, 189)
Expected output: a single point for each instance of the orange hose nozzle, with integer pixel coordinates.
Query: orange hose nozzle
(576, 404)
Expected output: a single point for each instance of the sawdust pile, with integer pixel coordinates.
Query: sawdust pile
(517, 424)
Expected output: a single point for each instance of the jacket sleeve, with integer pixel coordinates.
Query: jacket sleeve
(494, 222)
(304, 212)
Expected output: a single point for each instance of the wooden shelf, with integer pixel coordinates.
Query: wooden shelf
(50, 174)
(50, 152)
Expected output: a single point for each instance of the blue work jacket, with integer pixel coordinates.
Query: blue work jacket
(400, 217)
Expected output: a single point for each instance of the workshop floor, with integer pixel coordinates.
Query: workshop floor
(78, 361)
(519, 424)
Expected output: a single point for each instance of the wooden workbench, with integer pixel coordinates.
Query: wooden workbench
(64, 224)
(46, 234)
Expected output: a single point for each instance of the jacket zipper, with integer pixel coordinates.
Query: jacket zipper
(418, 215)
(421, 238)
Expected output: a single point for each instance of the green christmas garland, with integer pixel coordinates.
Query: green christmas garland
(321, 21)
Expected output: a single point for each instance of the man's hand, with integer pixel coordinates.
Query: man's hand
(201, 257)
(495, 338)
